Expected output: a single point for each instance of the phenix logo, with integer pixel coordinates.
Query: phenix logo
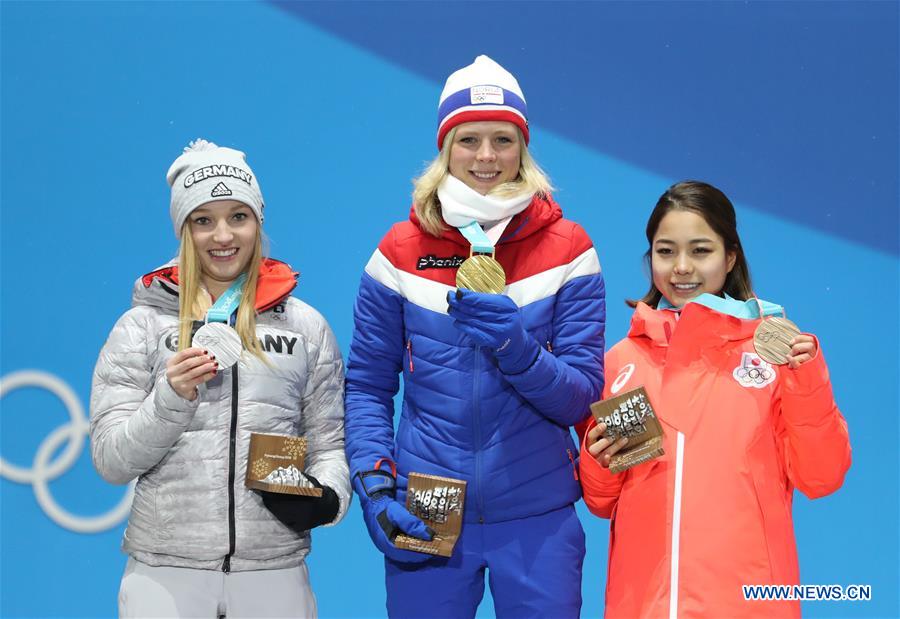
(211, 171)
(753, 371)
(433, 262)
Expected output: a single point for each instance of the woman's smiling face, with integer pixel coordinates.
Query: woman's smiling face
(224, 234)
(485, 154)
(688, 258)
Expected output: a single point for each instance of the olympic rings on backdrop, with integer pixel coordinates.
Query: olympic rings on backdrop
(43, 470)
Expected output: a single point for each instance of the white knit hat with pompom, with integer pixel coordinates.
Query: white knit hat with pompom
(205, 173)
(481, 91)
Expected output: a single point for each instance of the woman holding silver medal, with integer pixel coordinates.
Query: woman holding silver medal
(491, 305)
(174, 407)
(745, 402)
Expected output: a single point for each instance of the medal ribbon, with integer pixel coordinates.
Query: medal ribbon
(762, 314)
(483, 242)
(226, 305)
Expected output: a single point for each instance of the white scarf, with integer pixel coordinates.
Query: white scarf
(461, 205)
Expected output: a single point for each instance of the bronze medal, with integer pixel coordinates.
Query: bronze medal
(481, 273)
(772, 339)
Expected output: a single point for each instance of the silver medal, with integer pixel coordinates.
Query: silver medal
(221, 341)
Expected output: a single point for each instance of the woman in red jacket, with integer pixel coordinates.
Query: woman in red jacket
(689, 528)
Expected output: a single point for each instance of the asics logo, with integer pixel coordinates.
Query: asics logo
(624, 375)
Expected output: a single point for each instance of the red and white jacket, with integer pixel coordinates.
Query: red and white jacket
(714, 513)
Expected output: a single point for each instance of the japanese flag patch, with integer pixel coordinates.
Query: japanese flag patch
(753, 371)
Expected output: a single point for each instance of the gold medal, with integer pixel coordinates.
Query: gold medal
(481, 273)
(772, 339)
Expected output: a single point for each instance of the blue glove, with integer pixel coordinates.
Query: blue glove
(494, 321)
(386, 518)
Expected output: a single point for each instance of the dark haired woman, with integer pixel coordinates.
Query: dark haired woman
(689, 528)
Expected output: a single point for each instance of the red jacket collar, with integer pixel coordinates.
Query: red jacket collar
(542, 212)
(276, 281)
(703, 323)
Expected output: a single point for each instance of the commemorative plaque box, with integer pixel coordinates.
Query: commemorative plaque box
(439, 502)
(275, 464)
(630, 415)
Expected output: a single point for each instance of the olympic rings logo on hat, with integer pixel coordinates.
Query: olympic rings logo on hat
(44, 470)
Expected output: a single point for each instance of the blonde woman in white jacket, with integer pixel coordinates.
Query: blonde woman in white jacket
(178, 419)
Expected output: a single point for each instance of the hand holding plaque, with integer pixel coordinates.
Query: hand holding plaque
(300, 512)
(275, 464)
(385, 517)
(438, 502)
(630, 416)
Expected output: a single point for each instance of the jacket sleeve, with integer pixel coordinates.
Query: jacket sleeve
(135, 419)
(562, 384)
(373, 368)
(601, 488)
(323, 416)
(814, 440)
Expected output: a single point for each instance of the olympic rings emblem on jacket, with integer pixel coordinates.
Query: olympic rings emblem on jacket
(44, 470)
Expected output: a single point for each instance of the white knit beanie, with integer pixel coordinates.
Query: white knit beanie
(481, 91)
(205, 173)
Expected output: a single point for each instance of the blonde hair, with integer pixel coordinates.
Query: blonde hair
(531, 179)
(194, 301)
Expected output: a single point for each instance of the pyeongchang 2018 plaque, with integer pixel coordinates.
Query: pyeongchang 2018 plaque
(275, 464)
(630, 415)
(439, 502)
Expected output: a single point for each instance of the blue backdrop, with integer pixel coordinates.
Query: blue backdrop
(790, 108)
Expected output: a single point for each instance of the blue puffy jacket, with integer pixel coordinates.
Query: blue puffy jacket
(508, 437)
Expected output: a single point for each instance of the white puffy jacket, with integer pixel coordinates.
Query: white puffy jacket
(191, 508)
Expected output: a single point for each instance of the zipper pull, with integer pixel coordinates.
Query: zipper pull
(409, 352)
(572, 460)
(549, 346)
(667, 329)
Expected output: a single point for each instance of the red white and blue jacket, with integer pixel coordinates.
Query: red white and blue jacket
(507, 436)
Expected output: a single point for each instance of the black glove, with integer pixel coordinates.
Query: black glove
(302, 513)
